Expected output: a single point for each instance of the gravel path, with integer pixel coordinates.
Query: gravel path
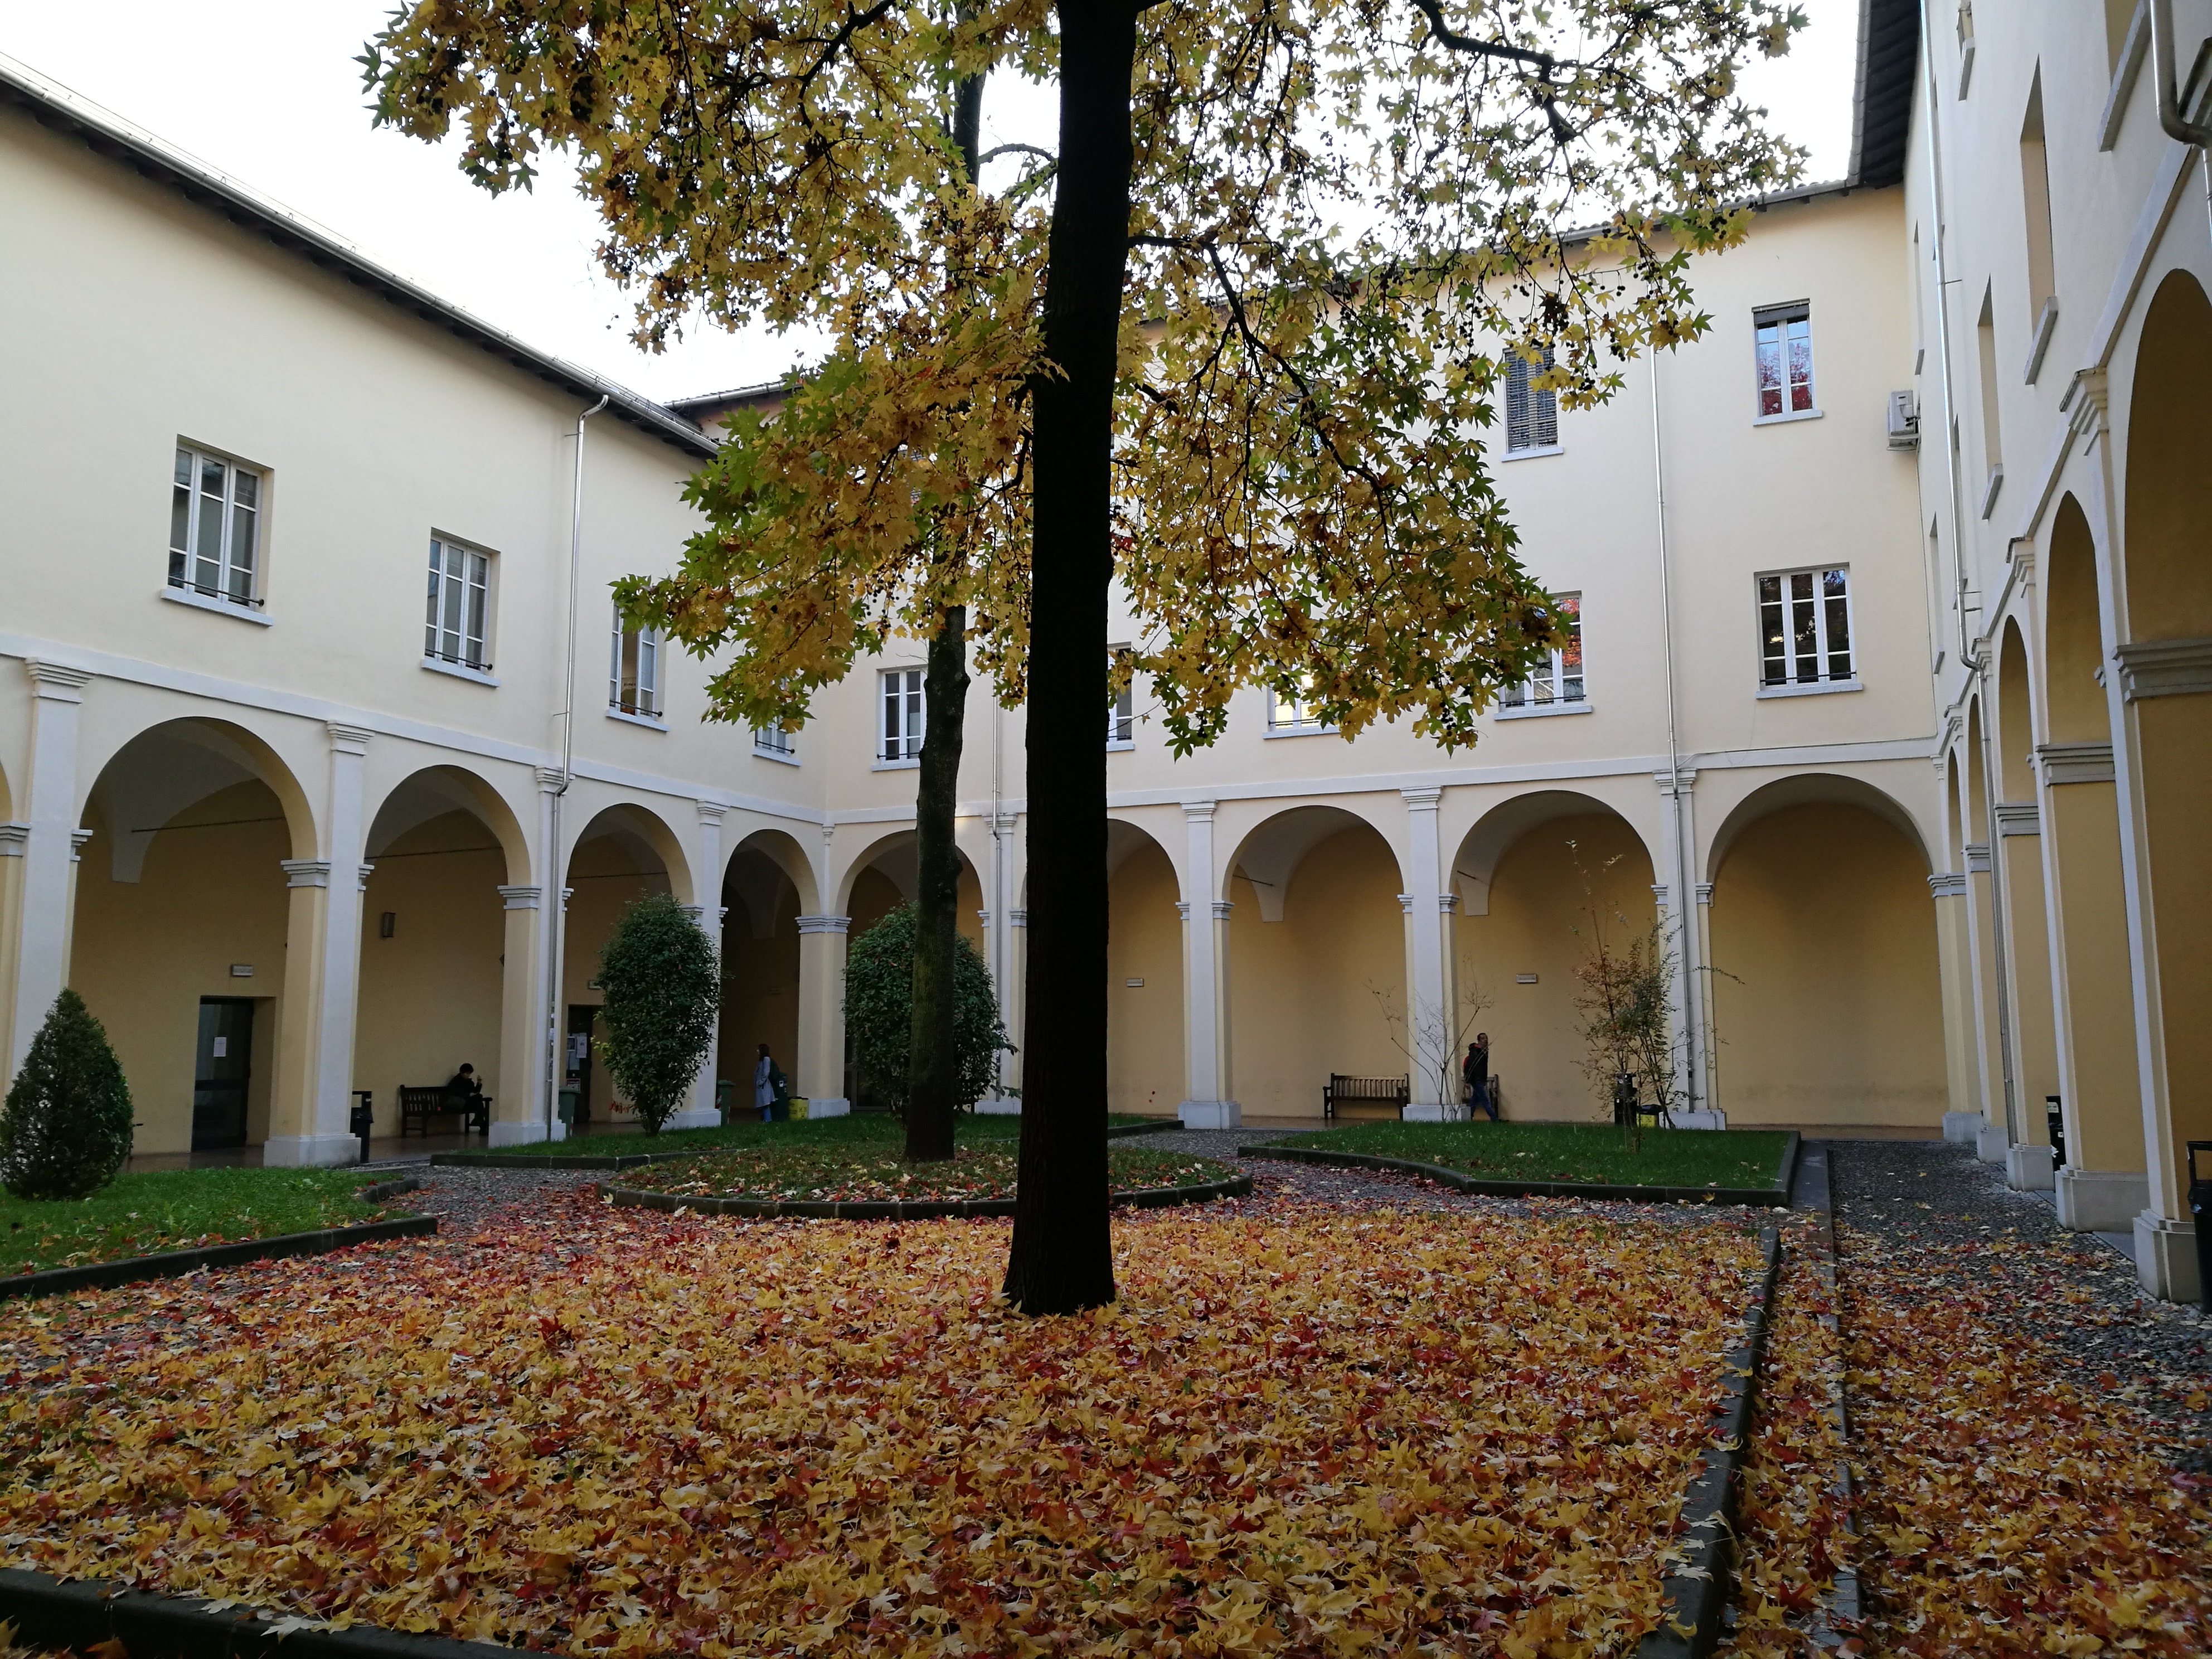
(1963, 1228)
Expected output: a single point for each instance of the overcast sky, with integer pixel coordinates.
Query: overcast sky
(267, 91)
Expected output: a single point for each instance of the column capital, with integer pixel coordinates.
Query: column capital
(2018, 817)
(2075, 763)
(1978, 858)
(1200, 811)
(306, 872)
(347, 740)
(2164, 668)
(12, 838)
(1947, 883)
(711, 814)
(1423, 799)
(824, 924)
(1222, 907)
(522, 898)
(56, 681)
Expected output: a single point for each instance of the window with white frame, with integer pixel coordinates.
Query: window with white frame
(772, 739)
(1532, 414)
(1294, 714)
(1805, 627)
(899, 723)
(215, 527)
(1560, 679)
(457, 605)
(633, 672)
(1783, 337)
(1122, 712)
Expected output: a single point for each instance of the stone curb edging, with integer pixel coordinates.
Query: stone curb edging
(175, 1264)
(1698, 1593)
(1776, 1197)
(767, 1209)
(78, 1613)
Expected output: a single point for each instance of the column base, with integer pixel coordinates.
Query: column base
(999, 1106)
(1707, 1120)
(833, 1106)
(310, 1151)
(1991, 1142)
(528, 1134)
(1211, 1115)
(2031, 1169)
(1960, 1129)
(2100, 1200)
(1430, 1111)
(694, 1117)
(2165, 1258)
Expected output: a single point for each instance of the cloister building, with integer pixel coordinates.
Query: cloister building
(1889, 704)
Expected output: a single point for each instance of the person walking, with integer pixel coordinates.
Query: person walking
(1476, 1071)
(771, 1090)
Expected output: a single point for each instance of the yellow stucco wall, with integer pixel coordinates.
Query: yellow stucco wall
(1833, 1014)
(1302, 992)
(430, 993)
(145, 953)
(1553, 887)
(1144, 1024)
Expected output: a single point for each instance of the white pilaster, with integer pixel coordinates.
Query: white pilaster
(1205, 981)
(40, 947)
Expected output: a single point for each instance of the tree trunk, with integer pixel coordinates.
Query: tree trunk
(933, 1060)
(933, 1067)
(1062, 1257)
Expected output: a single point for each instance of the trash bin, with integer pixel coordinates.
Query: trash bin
(567, 1106)
(361, 1118)
(2200, 1216)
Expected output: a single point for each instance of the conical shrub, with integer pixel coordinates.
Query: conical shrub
(65, 1130)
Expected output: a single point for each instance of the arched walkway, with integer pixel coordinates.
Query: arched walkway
(1539, 877)
(1826, 985)
(181, 922)
(1316, 970)
(1144, 1061)
(2165, 678)
(438, 966)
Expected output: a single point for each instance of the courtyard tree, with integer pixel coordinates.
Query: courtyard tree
(65, 1128)
(663, 986)
(881, 991)
(1232, 342)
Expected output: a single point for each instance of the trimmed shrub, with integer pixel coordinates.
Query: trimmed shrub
(65, 1130)
(664, 996)
(879, 1011)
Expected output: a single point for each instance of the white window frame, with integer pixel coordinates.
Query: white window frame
(771, 742)
(240, 528)
(1781, 318)
(902, 718)
(1791, 611)
(645, 704)
(1562, 685)
(1289, 717)
(1122, 712)
(1535, 430)
(457, 574)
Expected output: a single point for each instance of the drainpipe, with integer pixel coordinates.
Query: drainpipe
(1682, 890)
(2179, 127)
(557, 929)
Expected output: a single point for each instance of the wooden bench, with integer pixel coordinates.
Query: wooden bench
(418, 1106)
(1342, 1090)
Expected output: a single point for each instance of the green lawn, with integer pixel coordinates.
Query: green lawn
(856, 1129)
(871, 1171)
(177, 1209)
(1568, 1152)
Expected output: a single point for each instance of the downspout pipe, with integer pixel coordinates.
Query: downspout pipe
(557, 929)
(2179, 127)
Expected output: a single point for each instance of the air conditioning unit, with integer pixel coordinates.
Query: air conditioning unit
(1903, 421)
